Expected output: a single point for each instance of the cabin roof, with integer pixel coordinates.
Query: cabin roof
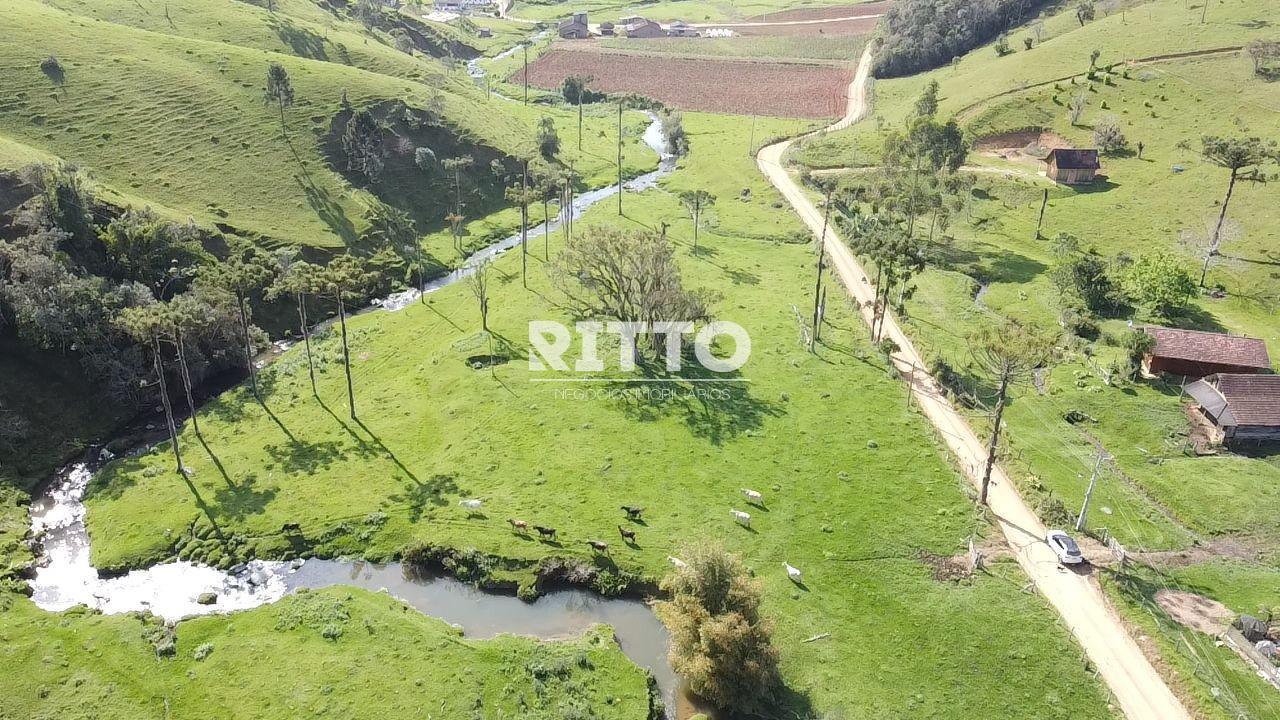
(1071, 159)
(1209, 347)
(1239, 399)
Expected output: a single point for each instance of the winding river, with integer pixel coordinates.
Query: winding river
(65, 576)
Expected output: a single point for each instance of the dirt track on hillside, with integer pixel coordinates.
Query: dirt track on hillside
(1136, 685)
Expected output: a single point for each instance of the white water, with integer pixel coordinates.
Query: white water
(66, 577)
(666, 163)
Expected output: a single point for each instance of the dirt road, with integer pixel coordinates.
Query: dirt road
(1138, 689)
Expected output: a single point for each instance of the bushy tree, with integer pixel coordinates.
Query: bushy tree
(626, 275)
(299, 279)
(1160, 283)
(1083, 277)
(1085, 12)
(141, 247)
(719, 643)
(548, 140)
(1109, 136)
(674, 137)
(696, 202)
(362, 144)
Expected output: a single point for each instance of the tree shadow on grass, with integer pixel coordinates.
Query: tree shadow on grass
(302, 42)
(387, 451)
(420, 496)
(239, 501)
(714, 406)
(329, 211)
(301, 456)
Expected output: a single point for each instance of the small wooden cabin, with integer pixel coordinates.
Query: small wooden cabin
(1073, 167)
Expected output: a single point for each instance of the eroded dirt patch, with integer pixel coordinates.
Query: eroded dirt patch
(1195, 611)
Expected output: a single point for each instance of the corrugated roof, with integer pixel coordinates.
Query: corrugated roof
(1070, 159)
(1208, 347)
(1251, 399)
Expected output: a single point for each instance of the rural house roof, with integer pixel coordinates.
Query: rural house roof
(1069, 159)
(1209, 347)
(1239, 399)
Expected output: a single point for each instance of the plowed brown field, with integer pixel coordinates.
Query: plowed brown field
(744, 88)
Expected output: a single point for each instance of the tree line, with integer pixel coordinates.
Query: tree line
(923, 34)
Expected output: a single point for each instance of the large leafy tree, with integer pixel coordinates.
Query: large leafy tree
(1160, 283)
(141, 247)
(629, 276)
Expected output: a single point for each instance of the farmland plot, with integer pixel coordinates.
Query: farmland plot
(739, 87)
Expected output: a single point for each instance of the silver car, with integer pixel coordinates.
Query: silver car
(1064, 547)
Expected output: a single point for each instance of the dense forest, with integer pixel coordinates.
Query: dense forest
(923, 34)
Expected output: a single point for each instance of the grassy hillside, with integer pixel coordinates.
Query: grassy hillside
(385, 661)
(853, 510)
(1154, 494)
(176, 117)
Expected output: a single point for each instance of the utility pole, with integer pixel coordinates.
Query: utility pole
(751, 144)
(619, 158)
(526, 72)
(1088, 494)
(817, 288)
(1043, 204)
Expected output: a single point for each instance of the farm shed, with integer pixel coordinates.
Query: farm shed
(644, 29)
(1072, 167)
(680, 28)
(575, 28)
(1240, 407)
(1195, 353)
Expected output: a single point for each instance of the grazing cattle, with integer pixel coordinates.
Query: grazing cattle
(677, 562)
(599, 546)
(753, 496)
(519, 525)
(743, 519)
(545, 532)
(633, 512)
(472, 505)
(628, 535)
(792, 572)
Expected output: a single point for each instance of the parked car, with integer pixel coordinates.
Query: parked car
(1064, 547)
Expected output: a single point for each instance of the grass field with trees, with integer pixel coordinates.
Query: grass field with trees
(855, 514)
(1155, 207)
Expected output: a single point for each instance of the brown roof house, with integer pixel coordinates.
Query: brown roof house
(1194, 353)
(575, 28)
(1072, 167)
(1240, 407)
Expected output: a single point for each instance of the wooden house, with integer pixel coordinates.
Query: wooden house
(644, 29)
(575, 28)
(1241, 408)
(1195, 353)
(1072, 167)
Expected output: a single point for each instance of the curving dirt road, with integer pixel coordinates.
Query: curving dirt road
(1138, 689)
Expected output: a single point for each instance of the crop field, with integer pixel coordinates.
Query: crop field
(851, 26)
(743, 88)
(809, 48)
(822, 13)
